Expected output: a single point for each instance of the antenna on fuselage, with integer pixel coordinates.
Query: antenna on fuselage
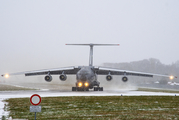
(91, 50)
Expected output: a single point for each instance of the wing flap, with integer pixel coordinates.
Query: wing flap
(139, 74)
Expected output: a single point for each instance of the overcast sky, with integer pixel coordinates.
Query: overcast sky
(33, 33)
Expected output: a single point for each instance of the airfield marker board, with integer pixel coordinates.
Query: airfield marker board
(35, 108)
(35, 100)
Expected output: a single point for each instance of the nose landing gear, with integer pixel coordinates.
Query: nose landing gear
(98, 88)
(86, 89)
(80, 89)
(85, 86)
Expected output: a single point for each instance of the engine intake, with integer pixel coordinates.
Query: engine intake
(48, 78)
(108, 77)
(124, 79)
(63, 77)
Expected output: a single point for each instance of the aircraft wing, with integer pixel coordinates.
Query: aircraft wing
(112, 71)
(55, 71)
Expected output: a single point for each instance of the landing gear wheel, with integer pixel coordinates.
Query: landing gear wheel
(100, 88)
(74, 89)
(86, 89)
(80, 89)
(95, 88)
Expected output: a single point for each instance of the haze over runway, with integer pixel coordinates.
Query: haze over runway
(33, 33)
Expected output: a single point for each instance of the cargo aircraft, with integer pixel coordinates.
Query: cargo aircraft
(86, 76)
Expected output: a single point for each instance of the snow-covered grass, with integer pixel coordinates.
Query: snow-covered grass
(98, 107)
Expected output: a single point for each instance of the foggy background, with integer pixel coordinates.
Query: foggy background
(33, 33)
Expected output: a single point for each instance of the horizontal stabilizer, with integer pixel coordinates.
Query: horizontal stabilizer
(91, 44)
(91, 49)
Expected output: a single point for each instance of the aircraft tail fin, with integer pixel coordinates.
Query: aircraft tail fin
(91, 49)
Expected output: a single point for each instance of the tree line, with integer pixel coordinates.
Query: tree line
(151, 65)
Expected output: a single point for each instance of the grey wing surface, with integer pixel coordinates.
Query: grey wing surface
(112, 71)
(56, 71)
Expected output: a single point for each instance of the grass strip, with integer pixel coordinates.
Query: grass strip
(98, 108)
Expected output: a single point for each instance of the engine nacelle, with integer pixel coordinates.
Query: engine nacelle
(48, 78)
(108, 77)
(62, 77)
(124, 79)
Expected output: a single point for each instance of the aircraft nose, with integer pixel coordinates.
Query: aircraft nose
(84, 74)
(83, 77)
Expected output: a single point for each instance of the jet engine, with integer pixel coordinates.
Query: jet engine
(124, 79)
(48, 78)
(108, 77)
(63, 77)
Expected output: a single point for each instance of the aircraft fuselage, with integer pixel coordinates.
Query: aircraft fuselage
(86, 77)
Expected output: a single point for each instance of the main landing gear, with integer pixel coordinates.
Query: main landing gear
(98, 88)
(86, 89)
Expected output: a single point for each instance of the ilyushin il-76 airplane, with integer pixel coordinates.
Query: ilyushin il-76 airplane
(86, 76)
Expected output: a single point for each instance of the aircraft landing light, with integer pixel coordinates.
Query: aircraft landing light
(171, 77)
(6, 75)
(80, 84)
(86, 84)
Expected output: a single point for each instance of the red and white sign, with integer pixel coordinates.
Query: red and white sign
(35, 99)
